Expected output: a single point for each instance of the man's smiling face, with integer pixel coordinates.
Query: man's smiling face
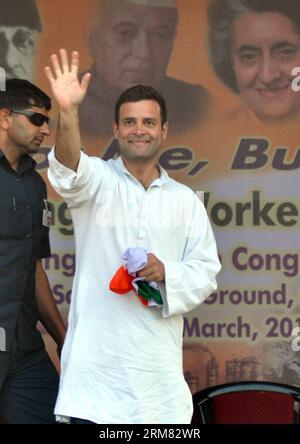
(140, 132)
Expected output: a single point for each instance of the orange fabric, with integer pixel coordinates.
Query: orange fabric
(121, 282)
(143, 301)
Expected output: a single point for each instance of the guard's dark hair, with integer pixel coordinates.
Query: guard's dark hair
(21, 94)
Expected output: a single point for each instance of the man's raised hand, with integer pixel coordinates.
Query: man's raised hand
(66, 88)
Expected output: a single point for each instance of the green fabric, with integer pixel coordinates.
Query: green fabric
(147, 292)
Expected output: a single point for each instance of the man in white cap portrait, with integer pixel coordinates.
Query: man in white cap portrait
(131, 43)
(20, 26)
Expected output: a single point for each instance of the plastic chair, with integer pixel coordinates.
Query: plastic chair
(3, 420)
(247, 402)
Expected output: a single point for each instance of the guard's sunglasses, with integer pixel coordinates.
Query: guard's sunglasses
(36, 119)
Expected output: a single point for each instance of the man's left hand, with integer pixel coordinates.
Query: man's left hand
(154, 270)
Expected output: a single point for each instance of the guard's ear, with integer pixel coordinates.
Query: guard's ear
(5, 114)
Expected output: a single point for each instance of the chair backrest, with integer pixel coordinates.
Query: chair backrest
(247, 402)
(3, 420)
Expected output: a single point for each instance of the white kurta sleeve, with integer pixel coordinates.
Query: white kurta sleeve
(80, 186)
(190, 281)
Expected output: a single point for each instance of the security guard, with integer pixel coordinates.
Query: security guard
(28, 379)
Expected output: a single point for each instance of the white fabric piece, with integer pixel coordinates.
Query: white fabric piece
(121, 361)
(136, 258)
(63, 419)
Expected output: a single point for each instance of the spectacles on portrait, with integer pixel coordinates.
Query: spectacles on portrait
(36, 119)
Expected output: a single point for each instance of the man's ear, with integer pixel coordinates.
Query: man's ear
(115, 129)
(5, 114)
(165, 130)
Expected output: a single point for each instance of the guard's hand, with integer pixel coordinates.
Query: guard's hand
(67, 90)
(154, 270)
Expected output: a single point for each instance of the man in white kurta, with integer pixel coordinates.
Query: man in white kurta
(122, 361)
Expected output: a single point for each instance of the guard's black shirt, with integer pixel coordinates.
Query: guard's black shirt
(23, 240)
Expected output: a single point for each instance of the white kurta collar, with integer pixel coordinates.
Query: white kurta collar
(164, 177)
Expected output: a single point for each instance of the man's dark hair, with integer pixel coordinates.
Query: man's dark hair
(221, 16)
(136, 94)
(21, 94)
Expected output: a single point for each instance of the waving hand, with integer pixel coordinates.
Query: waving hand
(66, 87)
(69, 92)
